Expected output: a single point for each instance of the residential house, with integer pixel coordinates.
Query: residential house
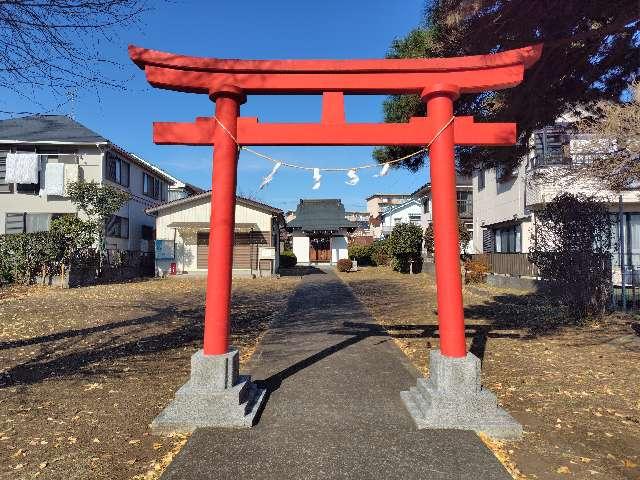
(59, 150)
(464, 198)
(320, 231)
(407, 212)
(505, 202)
(182, 235)
(376, 204)
(362, 220)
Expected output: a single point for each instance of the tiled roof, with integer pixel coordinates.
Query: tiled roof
(326, 214)
(47, 128)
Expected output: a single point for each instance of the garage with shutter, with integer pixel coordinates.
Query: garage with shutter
(246, 249)
(184, 225)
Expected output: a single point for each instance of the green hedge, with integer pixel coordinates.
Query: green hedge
(288, 259)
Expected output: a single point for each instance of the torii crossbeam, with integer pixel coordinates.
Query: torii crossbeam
(438, 81)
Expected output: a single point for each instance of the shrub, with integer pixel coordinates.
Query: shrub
(288, 259)
(405, 245)
(475, 271)
(571, 246)
(380, 253)
(344, 265)
(465, 237)
(361, 253)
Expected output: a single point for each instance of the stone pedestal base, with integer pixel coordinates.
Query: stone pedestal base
(214, 396)
(453, 397)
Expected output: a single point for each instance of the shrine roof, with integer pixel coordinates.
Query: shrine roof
(323, 214)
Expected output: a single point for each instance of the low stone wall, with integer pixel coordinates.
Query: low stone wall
(518, 283)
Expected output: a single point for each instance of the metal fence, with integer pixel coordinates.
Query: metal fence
(625, 293)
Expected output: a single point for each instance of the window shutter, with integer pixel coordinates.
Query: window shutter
(4, 187)
(487, 241)
(14, 223)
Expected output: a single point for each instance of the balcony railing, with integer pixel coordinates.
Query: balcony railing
(561, 158)
(465, 208)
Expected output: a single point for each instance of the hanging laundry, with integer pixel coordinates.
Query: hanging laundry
(54, 179)
(71, 174)
(353, 177)
(316, 179)
(384, 171)
(269, 177)
(22, 168)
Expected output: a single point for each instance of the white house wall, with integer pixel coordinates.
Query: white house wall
(90, 169)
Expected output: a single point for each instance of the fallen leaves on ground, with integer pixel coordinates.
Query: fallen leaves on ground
(84, 371)
(574, 388)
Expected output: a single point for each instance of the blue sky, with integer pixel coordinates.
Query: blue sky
(254, 29)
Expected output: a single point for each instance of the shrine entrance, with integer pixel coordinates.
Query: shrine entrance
(320, 248)
(452, 397)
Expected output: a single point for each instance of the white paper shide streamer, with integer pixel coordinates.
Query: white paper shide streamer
(269, 177)
(384, 171)
(353, 177)
(316, 179)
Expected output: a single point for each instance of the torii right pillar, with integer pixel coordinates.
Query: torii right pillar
(452, 396)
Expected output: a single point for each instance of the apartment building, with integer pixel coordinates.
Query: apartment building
(505, 202)
(40, 154)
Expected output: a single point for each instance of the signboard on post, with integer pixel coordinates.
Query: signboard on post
(165, 249)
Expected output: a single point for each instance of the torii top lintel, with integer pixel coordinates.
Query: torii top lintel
(386, 76)
(333, 78)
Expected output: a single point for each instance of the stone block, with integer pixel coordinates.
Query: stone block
(453, 398)
(215, 396)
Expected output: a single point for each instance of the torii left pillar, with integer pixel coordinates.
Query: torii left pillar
(216, 395)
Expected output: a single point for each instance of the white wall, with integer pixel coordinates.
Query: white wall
(339, 249)
(301, 247)
(199, 210)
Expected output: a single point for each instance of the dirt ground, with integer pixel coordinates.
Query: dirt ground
(84, 371)
(576, 390)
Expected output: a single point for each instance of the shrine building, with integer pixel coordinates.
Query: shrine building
(320, 231)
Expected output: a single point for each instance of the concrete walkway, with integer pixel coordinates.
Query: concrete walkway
(334, 408)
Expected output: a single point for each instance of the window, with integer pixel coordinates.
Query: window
(425, 204)
(481, 179)
(631, 238)
(465, 203)
(551, 146)
(414, 218)
(4, 186)
(14, 223)
(117, 170)
(397, 220)
(117, 227)
(151, 186)
(508, 239)
(29, 222)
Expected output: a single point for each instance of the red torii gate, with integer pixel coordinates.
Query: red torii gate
(438, 81)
